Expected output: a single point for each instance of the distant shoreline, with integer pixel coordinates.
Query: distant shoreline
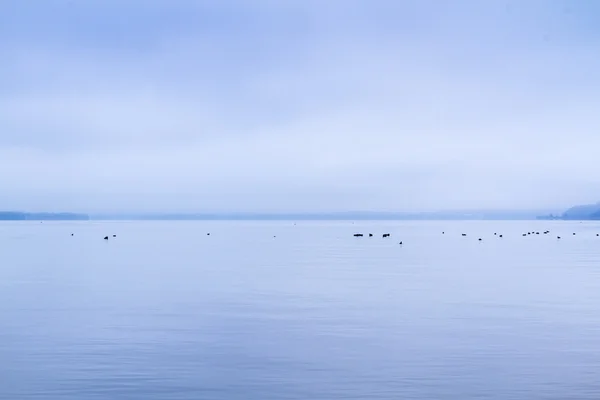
(43, 216)
(341, 216)
(485, 215)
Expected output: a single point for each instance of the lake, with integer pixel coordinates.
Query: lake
(299, 310)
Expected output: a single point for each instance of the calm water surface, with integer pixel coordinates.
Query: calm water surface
(164, 311)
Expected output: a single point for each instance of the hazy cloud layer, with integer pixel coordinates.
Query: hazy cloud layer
(299, 105)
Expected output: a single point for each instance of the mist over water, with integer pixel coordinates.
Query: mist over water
(285, 310)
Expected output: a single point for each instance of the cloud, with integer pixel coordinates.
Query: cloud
(264, 105)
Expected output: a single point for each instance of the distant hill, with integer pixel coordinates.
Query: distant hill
(582, 212)
(24, 216)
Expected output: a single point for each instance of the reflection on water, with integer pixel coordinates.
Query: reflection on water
(164, 311)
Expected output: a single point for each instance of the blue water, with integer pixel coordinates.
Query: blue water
(164, 311)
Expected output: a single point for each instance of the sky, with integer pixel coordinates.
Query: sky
(298, 105)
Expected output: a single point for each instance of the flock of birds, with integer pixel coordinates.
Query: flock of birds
(386, 235)
(105, 237)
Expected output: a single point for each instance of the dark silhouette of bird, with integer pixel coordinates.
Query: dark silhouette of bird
(105, 237)
(358, 234)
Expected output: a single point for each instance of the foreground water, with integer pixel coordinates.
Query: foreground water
(277, 310)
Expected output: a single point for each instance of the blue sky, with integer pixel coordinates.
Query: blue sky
(308, 105)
